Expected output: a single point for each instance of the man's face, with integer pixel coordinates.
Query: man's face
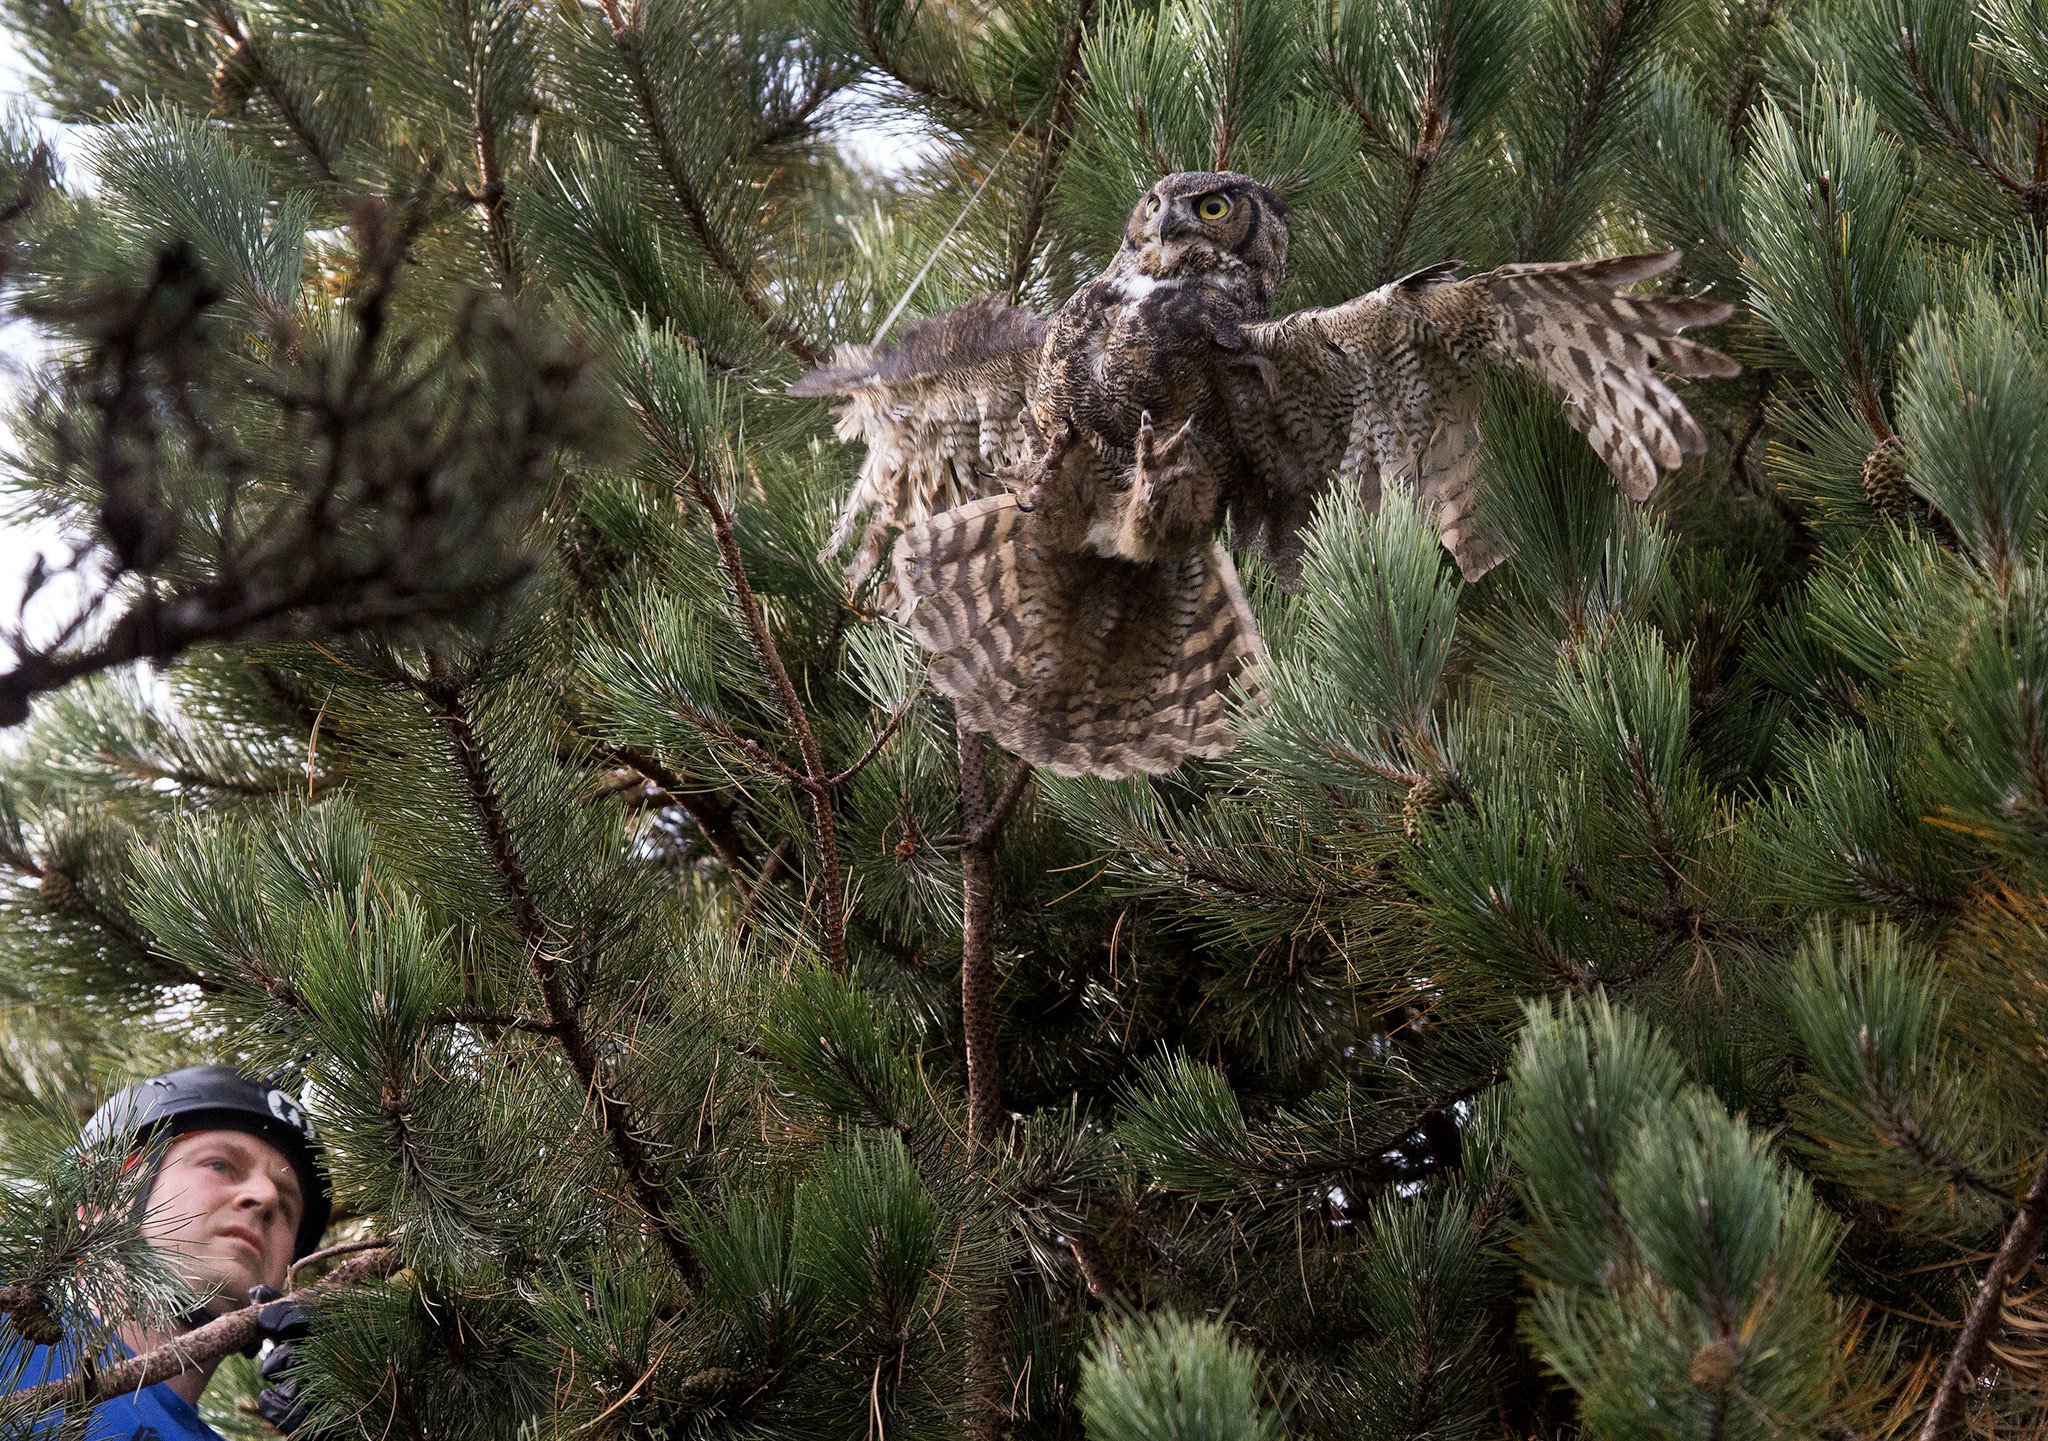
(226, 1208)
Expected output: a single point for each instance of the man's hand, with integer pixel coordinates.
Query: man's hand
(284, 1325)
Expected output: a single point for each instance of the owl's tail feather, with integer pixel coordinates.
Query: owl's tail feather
(1084, 664)
(1602, 351)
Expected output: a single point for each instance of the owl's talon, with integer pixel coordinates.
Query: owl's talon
(1144, 446)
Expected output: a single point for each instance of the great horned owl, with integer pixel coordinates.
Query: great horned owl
(1055, 492)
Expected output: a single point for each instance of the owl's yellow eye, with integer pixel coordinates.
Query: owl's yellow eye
(1152, 207)
(1212, 207)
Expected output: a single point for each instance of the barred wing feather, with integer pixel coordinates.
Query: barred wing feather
(1385, 388)
(938, 414)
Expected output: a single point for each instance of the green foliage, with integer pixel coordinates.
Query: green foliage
(1169, 1376)
(1681, 1270)
(1602, 999)
(1828, 263)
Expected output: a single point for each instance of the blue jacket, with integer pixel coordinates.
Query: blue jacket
(155, 1413)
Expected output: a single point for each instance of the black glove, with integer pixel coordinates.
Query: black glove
(283, 1325)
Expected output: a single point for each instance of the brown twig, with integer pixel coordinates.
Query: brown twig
(1945, 122)
(444, 698)
(500, 1020)
(712, 812)
(977, 942)
(202, 1346)
(1093, 1265)
(1980, 1324)
(1432, 135)
(773, 869)
(1013, 792)
(342, 1248)
(889, 728)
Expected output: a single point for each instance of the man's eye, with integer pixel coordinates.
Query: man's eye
(1213, 207)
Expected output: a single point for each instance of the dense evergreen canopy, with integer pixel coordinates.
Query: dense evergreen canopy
(1609, 999)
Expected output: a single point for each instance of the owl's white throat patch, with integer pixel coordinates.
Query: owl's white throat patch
(1137, 287)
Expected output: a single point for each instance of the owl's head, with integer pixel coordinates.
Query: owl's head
(1209, 220)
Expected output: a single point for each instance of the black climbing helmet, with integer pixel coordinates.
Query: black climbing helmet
(214, 1098)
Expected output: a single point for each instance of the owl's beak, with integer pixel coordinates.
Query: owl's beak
(1173, 227)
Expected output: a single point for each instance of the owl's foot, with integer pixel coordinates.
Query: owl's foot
(1172, 503)
(1155, 456)
(1051, 454)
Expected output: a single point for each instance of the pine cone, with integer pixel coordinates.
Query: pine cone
(1713, 1365)
(1425, 795)
(36, 1323)
(1884, 477)
(234, 78)
(60, 892)
(715, 1383)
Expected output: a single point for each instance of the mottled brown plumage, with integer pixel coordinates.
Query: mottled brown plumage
(1056, 490)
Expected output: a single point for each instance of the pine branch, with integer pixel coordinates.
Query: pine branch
(1433, 133)
(1537, 238)
(157, 627)
(647, 104)
(1946, 123)
(483, 140)
(814, 780)
(1981, 1323)
(1052, 147)
(1223, 125)
(202, 1346)
(62, 894)
(987, 1403)
(874, 48)
(1742, 88)
(823, 85)
(389, 455)
(1093, 1265)
(889, 728)
(444, 698)
(1013, 792)
(1376, 132)
(36, 180)
(1369, 1154)
(494, 1020)
(1866, 397)
(250, 63)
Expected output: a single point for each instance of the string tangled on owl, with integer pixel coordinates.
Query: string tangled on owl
(1055, 491)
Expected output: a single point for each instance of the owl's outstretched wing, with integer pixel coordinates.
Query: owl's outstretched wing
(938, 412)
(1385, 388)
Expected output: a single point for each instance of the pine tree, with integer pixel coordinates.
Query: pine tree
(1606, 999)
